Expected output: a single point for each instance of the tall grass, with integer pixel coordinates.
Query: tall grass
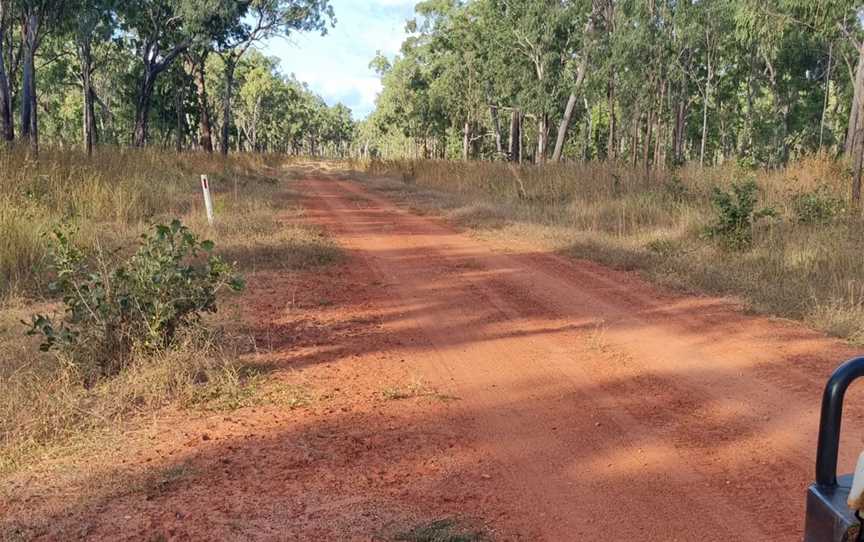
(46, 410)
(112, 195)
(616, 215)
(45, 404)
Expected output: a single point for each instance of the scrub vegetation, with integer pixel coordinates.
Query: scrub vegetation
(124, 320)
(785, 241)
(716, 146)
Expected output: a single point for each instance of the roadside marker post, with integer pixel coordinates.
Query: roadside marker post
(208, 201)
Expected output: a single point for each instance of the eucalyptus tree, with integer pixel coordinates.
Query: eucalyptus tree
(259, 20)
(341, 128)
(161, 30)
(94, 22)
(840, 23)
(7, 125)
(451, 41)
(38, 18)
(541, 33)
(844, 19)
(578, 63)
(408, 105)
(258, 80)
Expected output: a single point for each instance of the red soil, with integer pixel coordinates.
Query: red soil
(559, 401)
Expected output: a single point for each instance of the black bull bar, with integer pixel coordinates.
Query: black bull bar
(829, 518)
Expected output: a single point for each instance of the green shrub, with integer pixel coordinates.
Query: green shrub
(113, 307)
(747, 163)
(736, 215)
(817, 207)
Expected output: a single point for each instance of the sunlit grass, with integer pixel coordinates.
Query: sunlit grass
(45, 407)
(617, 215)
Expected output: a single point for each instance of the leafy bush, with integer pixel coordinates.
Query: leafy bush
(748, 162)
(817, 207)
(736, 215)
(113, 308)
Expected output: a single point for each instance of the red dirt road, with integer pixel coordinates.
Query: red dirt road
(535, 397)
(603, 409)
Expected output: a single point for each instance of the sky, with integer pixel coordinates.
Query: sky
(336, 66)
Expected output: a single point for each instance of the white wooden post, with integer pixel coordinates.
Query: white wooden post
(208, 202)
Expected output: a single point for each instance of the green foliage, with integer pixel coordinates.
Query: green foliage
(819, 206)
(753, 82)
(113, 307)
(276, 112)
(737, 213)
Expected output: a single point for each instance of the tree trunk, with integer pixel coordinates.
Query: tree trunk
(496, 126)
(515, 136)
(612, 147)
(466, 140)
(230, 66)
(152, 69)
(856, 179)
(519, 142)
(142, 108)
(29, 114)
(542, 137)
(751, 106)
(704, 124)
(853, 134)
(581, 69)
(89, 121)
(254, 130)
(636, 128)
(856, 137)
(646, 151)
(587, 142)
(7, 127)
(94, 129)
(106, 113)
(564, 126)
(205, 133)
(679, 131)
(181, 114)
(707, 97)
(827, 94)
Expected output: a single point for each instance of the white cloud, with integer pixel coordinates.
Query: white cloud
(337, 65)
(335, 87)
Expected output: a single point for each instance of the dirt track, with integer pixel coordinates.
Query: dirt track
(541, 399)
(606, 410)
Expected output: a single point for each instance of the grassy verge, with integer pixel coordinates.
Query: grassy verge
(804, 263)
(45, 408)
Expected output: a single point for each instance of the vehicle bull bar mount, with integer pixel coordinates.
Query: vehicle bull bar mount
(829, 517)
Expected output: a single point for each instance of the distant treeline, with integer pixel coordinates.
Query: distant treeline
(182, 73)
(652, 82)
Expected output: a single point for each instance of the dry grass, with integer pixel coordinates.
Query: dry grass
(615, 215)
(45, 410)
(110, 198)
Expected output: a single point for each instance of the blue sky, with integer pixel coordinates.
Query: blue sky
(336, 66)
